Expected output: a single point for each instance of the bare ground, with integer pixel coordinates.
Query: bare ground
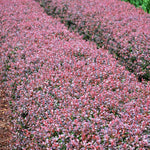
(5, 122)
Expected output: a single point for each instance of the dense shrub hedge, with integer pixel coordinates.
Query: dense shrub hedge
(145, 4)
(113, 24)
(66, 94)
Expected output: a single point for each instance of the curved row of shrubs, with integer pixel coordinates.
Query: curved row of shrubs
(66, 93)
(112, 24)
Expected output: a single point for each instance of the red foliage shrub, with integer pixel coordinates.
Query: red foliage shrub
(67, 94)
(118, 26)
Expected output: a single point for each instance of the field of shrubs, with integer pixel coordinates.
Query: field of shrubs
(66, 90)
(113, 24)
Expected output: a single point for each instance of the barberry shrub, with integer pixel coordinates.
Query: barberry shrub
(65, 93)
(115, 25)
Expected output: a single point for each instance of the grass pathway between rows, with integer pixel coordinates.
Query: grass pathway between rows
(63, 92)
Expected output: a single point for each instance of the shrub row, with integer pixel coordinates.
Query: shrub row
(112, 24)
(66, 93)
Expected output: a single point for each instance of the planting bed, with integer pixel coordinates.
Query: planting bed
(64, 92)
(118, 26)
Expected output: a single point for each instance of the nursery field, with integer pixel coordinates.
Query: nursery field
(67, 92)
(113, 24)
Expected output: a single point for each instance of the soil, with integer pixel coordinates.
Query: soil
(5, 122)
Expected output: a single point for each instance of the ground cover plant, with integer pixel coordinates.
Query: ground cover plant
(118, 26)
(64, 92)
